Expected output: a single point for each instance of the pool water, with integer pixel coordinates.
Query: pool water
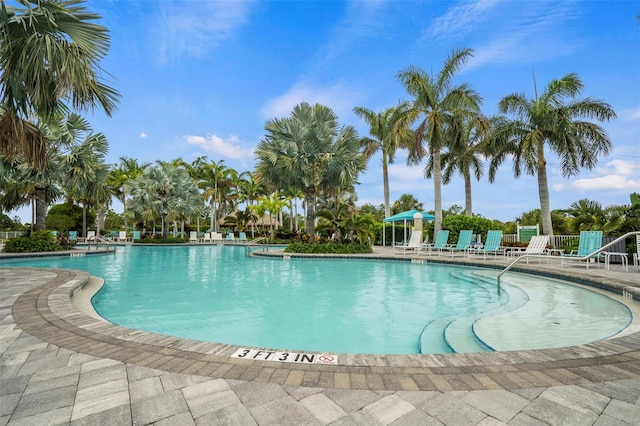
(218, 294)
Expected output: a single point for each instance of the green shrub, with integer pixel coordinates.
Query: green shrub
(38, 241)
(159, 240)
(335, 248)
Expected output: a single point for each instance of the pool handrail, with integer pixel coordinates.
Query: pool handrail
(100, 239)
(251, 243)
(544, 256)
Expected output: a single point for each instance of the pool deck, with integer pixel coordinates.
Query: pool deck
(61, 366)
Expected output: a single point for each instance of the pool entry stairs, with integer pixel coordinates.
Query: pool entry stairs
(456, 334)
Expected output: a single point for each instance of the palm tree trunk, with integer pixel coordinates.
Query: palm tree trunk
(437, 191)
(468, 209)
(385, 182)
(41, 208)
(213, 214)
(84, 220)
(309, 196)
(545, 208)
(124, 208)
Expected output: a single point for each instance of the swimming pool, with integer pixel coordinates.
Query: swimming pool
(216, 293)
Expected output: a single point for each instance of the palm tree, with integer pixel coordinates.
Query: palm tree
(49, 58)
(440, 108)
(406, 202)
(214, 175)
(127, 170)
(464, 156)
(387, 137)
(249, 191)
(307, 151)
(85, 174)
(555, 118)
(164, 191)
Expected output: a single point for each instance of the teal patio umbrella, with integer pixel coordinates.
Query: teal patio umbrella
(407, 216)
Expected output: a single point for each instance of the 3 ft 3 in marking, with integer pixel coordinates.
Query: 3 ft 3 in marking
(296, 357)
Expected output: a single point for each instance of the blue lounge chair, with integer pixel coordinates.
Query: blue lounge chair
(590, 241)
(73, 235)
(442, 239)
(136, 235)
(491, 245)
(463, 244)
(242, 236)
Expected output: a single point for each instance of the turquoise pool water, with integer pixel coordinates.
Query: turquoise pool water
(216, 293)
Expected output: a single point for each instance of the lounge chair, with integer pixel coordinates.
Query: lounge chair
(491, 245)
(207, 237)
(463, 244)
(136, 235)
(442, 239)
(122, 236)
(242, 236)
(590, 242)
(230, 238)
(193, 237)
(537, 245)
(414, 243)
(73, 235)
(91, 235)
(636, 255)
(216, 237)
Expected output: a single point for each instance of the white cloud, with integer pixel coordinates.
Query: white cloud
(338, 96)
(193, 29)
(213, 144)
(615, 175)
(461, 18)
(143, 135)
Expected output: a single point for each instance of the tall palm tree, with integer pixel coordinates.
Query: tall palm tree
(386, 137)
(214, 176)
(555, 118)
(128, 169)
(466, 156)
(309, 150)
(439, 107)
(49, 61)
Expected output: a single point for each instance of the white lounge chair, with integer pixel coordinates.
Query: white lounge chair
(206, 237)
(122, 236)
(193, 237)
(414, 243)
(636, 255)
(537, 245)
(216, 237)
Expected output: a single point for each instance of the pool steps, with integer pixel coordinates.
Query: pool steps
(453, 334)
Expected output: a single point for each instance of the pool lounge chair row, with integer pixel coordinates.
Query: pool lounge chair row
(217, 237)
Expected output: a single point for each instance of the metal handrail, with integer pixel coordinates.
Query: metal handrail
(99, 239)
(589, 256)
(251, 243)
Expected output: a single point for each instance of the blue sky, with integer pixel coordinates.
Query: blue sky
(203, 77)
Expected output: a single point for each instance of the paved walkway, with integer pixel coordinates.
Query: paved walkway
(60, 366)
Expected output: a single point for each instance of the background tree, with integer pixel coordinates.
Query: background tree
(386, 136)
(49, 61)
(465, 156)
(308, 151)
(439, 107)
(553, 119)
(406, 202)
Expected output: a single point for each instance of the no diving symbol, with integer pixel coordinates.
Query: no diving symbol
(327, 359)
